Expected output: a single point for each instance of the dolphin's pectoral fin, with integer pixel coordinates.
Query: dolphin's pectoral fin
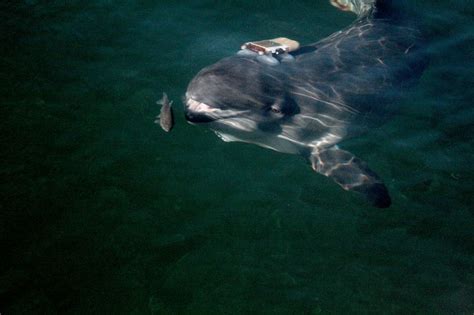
(351, 173)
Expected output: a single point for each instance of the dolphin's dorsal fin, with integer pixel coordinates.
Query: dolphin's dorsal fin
(351, 173)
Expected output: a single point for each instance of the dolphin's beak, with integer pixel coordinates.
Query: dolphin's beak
(197, 112)
(195, 117)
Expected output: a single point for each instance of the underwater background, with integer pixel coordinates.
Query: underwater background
(101, 212)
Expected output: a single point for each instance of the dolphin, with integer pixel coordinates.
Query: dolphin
(337, 88)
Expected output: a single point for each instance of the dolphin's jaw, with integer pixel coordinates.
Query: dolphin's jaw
(240, 124)
(273, 145)
(200, 112)
(232, 125)
(199, 107)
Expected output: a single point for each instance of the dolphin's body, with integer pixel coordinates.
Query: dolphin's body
(336, 88)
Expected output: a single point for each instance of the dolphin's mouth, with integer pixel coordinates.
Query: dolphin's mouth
(199, 112)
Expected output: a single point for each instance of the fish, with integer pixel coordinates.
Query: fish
(165, 118)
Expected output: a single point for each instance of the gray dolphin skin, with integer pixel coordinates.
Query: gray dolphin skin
(165, 118)
(337, 88)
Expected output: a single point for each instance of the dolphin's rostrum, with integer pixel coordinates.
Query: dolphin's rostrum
(336, 88)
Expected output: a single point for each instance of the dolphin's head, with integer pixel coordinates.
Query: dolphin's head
(241, 99)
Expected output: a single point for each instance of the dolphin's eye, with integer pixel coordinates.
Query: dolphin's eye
(275, 110)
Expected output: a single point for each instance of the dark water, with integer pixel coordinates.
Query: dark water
(103, 213)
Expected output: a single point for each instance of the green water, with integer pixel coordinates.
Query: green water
(101, 212)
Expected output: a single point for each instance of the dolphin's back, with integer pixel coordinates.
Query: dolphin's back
(366, 63)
